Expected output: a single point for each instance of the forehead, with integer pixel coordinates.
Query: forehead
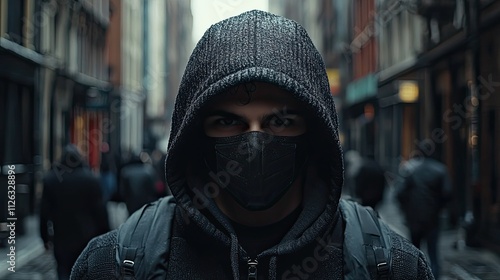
(254, 94)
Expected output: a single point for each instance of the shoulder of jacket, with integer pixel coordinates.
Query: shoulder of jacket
(405, 248)
(105, 241)
(406, 256)
(97, 259)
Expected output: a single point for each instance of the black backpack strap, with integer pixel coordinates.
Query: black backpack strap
(373, 253)
(144, 241)
(376, 248)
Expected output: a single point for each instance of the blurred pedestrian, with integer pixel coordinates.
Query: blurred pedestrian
(138, 180)
(369, 182)
(158, 158)
(352, 165)
(424, 192)
(107, 173)
(72, 202)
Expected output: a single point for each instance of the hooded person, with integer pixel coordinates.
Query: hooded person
(254, 165)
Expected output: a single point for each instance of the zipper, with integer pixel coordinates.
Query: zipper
(252, 269)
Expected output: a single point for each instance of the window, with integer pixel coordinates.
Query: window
(29, 30)
(18, 146)
(15, 20)
(3, 18)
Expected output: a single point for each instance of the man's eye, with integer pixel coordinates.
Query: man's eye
(280, 122)
(226, 121)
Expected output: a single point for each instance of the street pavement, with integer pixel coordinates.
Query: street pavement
(32, 261)
(458, 261)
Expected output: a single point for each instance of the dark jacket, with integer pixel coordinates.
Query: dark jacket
(254, 46)
(424, 192)
(370, 183)
(72, 201)
(137, 185)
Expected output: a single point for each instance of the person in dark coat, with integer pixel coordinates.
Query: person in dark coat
(370, 182)
(424, 192)
(138, 182)
(108, 174)
(255, 167)
(72, 202)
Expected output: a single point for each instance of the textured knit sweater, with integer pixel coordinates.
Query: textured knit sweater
(254, 46)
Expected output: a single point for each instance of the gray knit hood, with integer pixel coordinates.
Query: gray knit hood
(254, 46)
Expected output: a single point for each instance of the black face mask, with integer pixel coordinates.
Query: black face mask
(261, 166)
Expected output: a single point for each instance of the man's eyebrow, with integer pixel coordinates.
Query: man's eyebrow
(222, 113)
(279, 112)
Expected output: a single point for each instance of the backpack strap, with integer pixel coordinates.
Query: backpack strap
(146, 230)
(371, 258)
(374, 242)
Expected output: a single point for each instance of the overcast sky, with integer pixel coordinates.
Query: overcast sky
(208, 12)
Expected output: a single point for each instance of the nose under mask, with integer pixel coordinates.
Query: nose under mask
(261, 166)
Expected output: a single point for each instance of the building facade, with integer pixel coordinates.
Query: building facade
(432, 93)
(174, 53)
(359, 109)
(399, 31)
(21, 99)
(461, 60)
(53, 88)
(155, 71)
(131, 90)
(148, 49)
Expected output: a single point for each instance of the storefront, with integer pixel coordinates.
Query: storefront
(359, 115)
(90, 122)
(447, 98)
(488, 114)
(398, 120)
(17, 123)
